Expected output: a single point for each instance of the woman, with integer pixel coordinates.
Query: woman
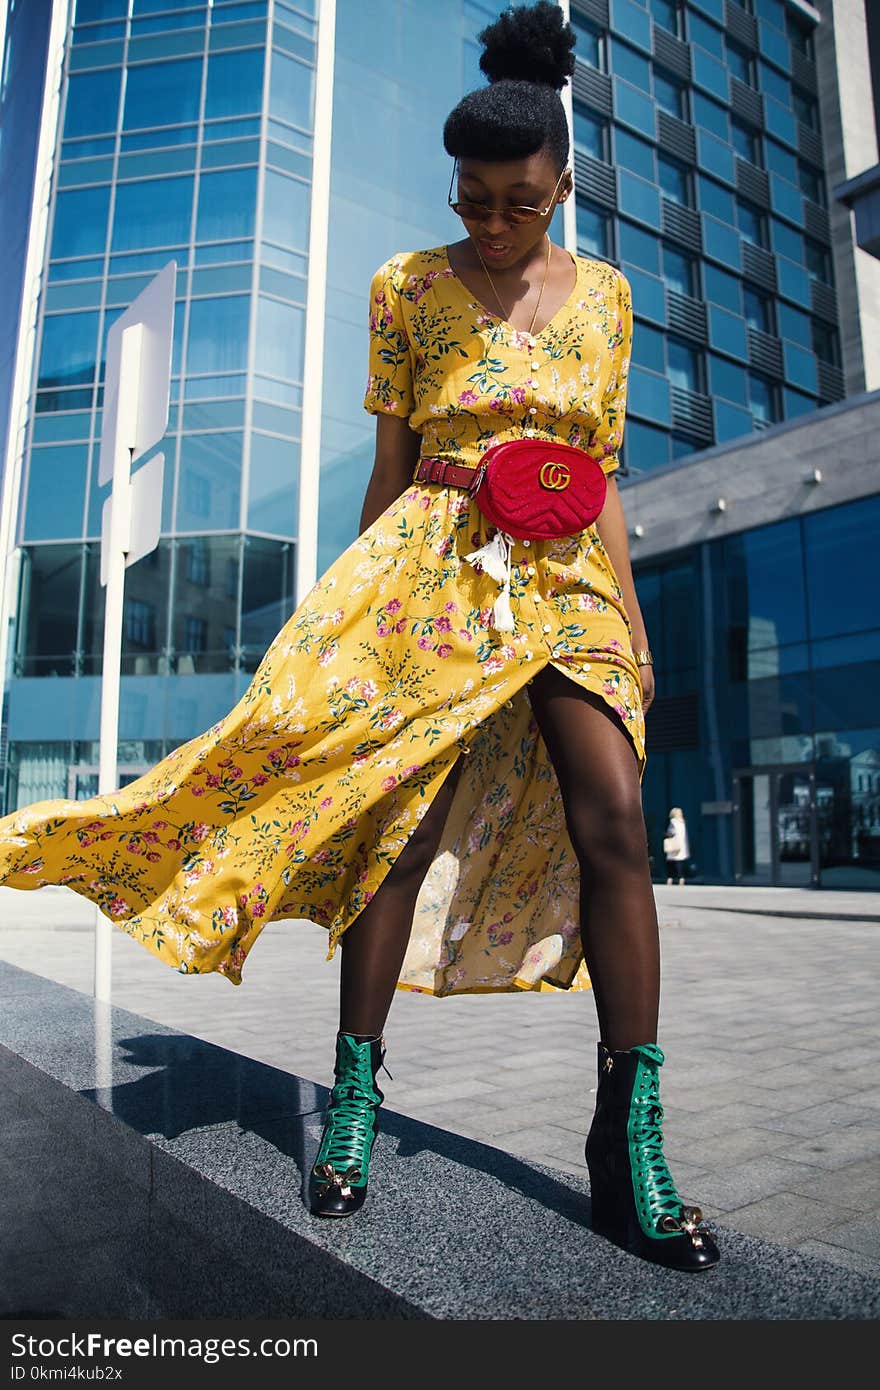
(439, 758)
(675, 845)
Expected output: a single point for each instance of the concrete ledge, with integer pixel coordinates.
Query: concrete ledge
(178, 1193)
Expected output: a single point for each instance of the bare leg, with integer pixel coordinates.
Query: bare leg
(597, 770)
(374, 945)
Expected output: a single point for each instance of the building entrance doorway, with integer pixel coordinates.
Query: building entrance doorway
(776, 827)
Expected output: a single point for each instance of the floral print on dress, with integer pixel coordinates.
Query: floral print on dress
(297, 804)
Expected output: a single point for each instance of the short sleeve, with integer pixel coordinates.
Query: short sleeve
(390, 383)
(608, 436)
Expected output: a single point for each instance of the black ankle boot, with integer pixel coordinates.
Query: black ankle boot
(338, 1180)
(633, 1197)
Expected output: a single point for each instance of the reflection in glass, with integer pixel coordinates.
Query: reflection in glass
(588, 46)
(218, 335)
(273, 487)
(156, 212)
(227, 204)
(235, 83)
(267, 595)
(48, 610)
(280, 339)
(80, 227)
(67, 352)
(56, 492)
(762, 611)
(286, 210)
(291, 92)
(679, 270)
(669, 95)
(209, 487)
(165, 93)
(684, 365)
(589, 133)
(848, 797)
(92, 102)
(763, 401)
(205, 604)
(592, 230)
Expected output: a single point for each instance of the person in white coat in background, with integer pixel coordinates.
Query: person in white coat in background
(675, 845)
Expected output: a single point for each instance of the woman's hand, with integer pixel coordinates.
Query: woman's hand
(647, 675)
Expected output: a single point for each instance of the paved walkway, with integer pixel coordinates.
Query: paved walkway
(769, 1022)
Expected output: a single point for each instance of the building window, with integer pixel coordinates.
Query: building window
(674, 180)
(198, 568)
(826, 343)
(592, 229)
(812, 183)
(589, 46)
(763, 401)
(751, 222)
(739, 62)
(684, 365)
(679, 271)
(195, 634)
(669, 94)
(648, 348)
(634, 154)
(139, 624)
(799, 36)
(806, 108)
(745, 141)
(158, 94)
(758, 309)
(818, 261)
(666, 13)
(589, 133)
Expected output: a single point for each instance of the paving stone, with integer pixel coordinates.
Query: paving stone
(731, 1188)
(837, 1147)
(785, 1217)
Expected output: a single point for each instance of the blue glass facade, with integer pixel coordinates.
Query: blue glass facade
(699, 170)
(764, 730)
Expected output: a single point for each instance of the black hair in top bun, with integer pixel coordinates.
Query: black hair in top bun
(527, 58)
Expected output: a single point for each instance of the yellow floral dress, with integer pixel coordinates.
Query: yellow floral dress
(299, 801)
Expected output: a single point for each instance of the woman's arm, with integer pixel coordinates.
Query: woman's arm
(397, 452)
(611, 526)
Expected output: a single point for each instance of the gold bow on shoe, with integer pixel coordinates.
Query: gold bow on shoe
(330, 1178)
(690, 1223)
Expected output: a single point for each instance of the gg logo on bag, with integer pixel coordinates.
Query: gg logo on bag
(554, 476)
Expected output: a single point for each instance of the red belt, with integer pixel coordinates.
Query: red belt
(448, 474)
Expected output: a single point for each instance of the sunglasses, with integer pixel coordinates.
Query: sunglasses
(480, 212)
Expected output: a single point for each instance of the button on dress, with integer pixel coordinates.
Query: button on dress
(297, 803)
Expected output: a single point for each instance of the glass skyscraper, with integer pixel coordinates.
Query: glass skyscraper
(224, 137)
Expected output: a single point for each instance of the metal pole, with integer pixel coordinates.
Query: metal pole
(117, 550)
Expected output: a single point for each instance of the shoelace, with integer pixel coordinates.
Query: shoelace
(349, 1126)
(648, 1135)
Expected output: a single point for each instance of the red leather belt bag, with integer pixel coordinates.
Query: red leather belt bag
(530, 489)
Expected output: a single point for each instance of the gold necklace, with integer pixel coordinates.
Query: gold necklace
(498, 297)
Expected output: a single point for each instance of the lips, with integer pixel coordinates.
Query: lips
(496, 247)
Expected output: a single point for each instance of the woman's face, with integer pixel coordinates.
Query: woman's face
(504, 183)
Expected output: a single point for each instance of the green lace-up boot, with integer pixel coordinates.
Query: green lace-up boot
(633, 1197)
(338, 1180)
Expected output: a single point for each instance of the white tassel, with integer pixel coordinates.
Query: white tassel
(495, 558)
(502, 613)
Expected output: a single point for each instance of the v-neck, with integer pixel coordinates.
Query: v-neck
(563, 308)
